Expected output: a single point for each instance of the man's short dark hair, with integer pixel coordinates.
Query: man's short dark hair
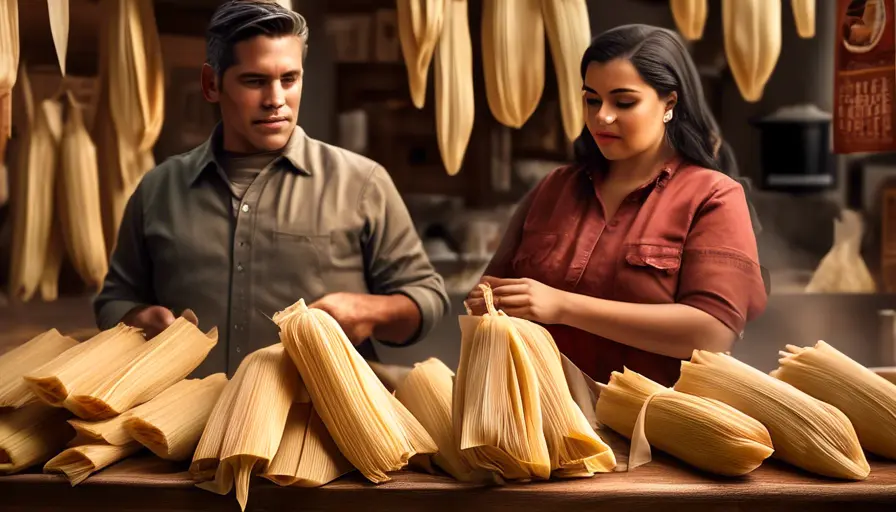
(239, 20)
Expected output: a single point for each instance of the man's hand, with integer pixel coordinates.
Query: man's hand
(522, 298)
(353, 311)
(153, 319)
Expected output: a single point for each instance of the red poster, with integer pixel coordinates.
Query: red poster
(864, 76)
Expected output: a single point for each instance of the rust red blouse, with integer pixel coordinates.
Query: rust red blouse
(685, 238)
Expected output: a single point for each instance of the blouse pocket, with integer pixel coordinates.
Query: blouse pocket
(533, 256)
(649, 273)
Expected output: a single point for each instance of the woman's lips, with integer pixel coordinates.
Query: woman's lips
(606, 137)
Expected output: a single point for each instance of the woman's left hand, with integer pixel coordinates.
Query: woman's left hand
(522, 298)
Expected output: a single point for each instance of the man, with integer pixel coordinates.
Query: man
(262, 215)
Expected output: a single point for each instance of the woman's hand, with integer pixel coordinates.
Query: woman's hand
(522, 298)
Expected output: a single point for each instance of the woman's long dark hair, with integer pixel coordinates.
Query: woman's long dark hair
(664, 63)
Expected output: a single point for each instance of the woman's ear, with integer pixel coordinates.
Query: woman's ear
(671, 100)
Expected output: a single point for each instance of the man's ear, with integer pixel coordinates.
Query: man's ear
(210, 85)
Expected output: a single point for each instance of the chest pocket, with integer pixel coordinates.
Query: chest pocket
(648, 272)
(294, 265)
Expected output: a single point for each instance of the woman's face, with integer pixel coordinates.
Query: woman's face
(623, 113)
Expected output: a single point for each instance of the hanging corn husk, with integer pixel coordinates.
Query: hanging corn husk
(805, 432)
(246, 427)
(374, 431)
(419, 30)
(690, 17)
(843, 270)
(49, 278)
(32, 354)
(9, 65)
(455, 108)
(59, 23)
(752, 43)
(151, 368)
(569, 34)
(867, 399)
(79, 198)
(804, 16)
(31, 435)
(705, 433)
(79, 462)
(513, 58)
(85, 365)
(497, 409)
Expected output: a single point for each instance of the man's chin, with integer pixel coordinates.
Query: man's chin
(272, 142)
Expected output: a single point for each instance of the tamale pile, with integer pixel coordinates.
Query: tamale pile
(704, 433)
(805, 432)
(30, 435)
(374, 431)
(867, 399)
(32, 354)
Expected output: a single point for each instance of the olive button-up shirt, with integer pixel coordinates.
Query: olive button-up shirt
(317, 220)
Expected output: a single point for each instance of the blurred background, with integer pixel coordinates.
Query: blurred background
(822, 96)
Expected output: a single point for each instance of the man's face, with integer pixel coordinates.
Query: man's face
(260, 94)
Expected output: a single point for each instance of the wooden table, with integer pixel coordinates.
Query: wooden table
(146, 483)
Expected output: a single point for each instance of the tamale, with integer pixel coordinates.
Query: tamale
(805, 432)
(867, 399)
(152, 367)
(26, 357)
(79, 462)
(109, 431)
(171, 424)
(31, 435)
(85, 365)
(704, 433)
(497, 408)
(255, 424)
(374, 431)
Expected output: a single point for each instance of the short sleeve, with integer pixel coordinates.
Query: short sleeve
(720, 271)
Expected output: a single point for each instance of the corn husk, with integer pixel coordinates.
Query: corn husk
(419, 29)
(32, 354)
(85, 365)
(374, 431)
(704, 433)
(752, 30)
(569, 34)
(455, 108)
(31, 435)
(497, 408)
(151, 368)
(690, 17)
(804, 17)
(79, 462)
(256, 412)
(9, 48)
(806, 432)
(59, 25)
(867, 399)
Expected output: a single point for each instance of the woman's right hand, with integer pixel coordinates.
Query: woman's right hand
(478, 307)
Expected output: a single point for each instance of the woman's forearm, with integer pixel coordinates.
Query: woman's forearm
(673, 330)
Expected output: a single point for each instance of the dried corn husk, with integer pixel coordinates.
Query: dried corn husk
(374, 431)
(419, 29)
(84, 366)
(842, 269)
(257, 419)
(49, 278)
(79, 198)
(455, 108)
(513, 58)
(752, 43)
(109, 431)
(307, 456)
(79, 462)
(31, 435)
(26, 357)
(805, 432)
(171, 424)
(152, 368)
(427, 392)
(569, 34)
(59, 23)
(705, 433)
(207, 457)
(574, 447)
(9, 48)
(497, 409)
(690, 17)
(867, 399)
(804, 16)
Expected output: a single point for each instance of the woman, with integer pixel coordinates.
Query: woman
(643, 250)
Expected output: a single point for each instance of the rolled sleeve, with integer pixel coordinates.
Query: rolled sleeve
(720, 272)
(396, 260)
(128, 281)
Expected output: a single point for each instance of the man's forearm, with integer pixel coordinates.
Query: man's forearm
(673, 330)
(396, 318)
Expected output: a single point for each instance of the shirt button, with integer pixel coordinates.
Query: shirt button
(239, 267)
(614, 223)
(245, 208)
(236, 327)
(238, 350)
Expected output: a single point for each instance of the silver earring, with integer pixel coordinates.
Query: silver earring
(667, 116)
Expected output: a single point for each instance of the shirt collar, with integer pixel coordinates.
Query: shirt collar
(294, 153)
